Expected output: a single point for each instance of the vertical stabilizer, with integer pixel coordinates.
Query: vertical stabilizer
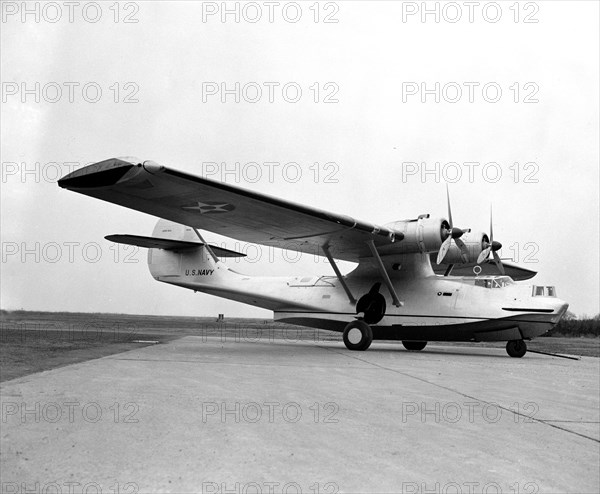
(182, 265)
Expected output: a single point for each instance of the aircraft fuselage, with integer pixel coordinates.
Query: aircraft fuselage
(432, 308)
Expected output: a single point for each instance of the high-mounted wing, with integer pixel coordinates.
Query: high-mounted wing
(227, 210)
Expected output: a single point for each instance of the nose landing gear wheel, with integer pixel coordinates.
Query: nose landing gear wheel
(414, 345)
(516, 348)
(358, 336)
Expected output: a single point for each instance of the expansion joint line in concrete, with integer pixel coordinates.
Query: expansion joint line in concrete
(452, 390)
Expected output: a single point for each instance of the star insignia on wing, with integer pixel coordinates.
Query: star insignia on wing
(210, 207)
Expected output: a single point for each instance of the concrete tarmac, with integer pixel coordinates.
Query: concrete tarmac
(206, 415)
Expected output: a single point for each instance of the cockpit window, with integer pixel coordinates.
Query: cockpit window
(494, 282)
(538, 291)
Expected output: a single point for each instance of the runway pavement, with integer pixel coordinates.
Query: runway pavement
(204, 415)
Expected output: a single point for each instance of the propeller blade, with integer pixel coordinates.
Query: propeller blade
(449, 208)
(498, 262)
(453, 234)
(464, 251)
(444, 249)
(491, 227)
(483, 255)
(491, 247)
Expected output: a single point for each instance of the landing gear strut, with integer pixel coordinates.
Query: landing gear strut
(414, 345)
(358, 335)
(516, 348)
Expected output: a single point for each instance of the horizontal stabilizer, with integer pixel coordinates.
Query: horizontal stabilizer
(169, 244)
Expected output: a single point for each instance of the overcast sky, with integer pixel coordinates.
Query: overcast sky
(352, 103)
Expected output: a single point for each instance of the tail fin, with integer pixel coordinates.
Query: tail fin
(178, 252)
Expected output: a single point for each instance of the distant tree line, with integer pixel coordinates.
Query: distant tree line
(571, 325)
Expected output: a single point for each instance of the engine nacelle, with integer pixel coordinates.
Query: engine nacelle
(427, 234)
(475, 244)
(421, 235)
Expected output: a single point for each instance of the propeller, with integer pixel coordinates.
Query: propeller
(453, 234)
(493, 248)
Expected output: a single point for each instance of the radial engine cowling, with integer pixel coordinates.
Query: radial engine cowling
(422, 235)
(475, 243)
(427, 235)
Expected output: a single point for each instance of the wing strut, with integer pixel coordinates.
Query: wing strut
(338, 274)
(384, 274)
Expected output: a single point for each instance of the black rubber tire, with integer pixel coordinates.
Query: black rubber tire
(366, 336)
(414, 345)
(372, 305)
(516, 348)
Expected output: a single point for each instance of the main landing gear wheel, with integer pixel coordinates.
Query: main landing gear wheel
(372, 305)
(414, 345)
(358, 336)
(516, 348)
